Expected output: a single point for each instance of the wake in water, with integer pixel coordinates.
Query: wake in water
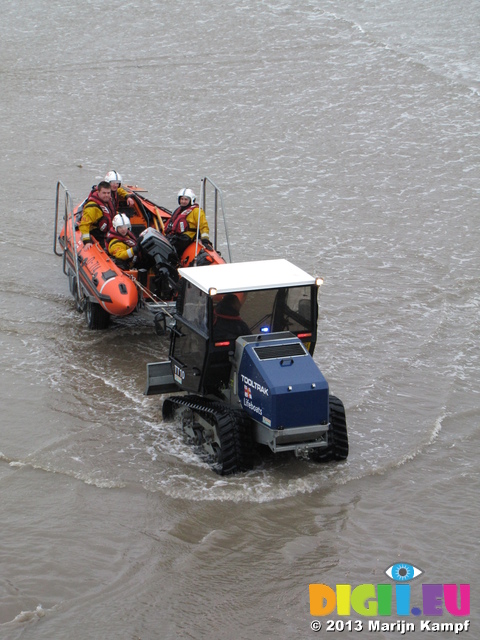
(119, 438)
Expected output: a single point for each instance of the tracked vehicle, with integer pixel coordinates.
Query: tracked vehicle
(242, 340)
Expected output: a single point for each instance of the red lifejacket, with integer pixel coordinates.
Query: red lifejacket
(178, 222)
(105, 222)
(129, 239)
(228, 327)
(116, 199)
(225, 317)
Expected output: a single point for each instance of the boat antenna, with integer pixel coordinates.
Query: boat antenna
(201, 204)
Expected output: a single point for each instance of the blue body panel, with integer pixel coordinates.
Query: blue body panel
(282, 391)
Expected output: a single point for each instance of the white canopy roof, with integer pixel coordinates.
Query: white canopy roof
(247, 276)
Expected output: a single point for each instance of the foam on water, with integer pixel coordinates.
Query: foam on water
(124, 439)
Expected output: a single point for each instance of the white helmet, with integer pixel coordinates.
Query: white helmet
(121, 220)
(187, 193)
(113, 176)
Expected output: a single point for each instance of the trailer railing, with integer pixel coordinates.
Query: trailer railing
(218, 208)
(60, 248)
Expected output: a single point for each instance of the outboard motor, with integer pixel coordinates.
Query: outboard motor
(163, 256)
(155, 245)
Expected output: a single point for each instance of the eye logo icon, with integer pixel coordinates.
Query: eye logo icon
(403, 572)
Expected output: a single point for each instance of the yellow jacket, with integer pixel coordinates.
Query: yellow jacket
(94, 217)
(120, 194)
(192, 220)
(190, 216)
(121, 248)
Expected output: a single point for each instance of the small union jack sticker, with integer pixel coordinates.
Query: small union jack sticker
(247, 391)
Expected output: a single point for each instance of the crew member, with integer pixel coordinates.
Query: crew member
(227, 323)
(118, 192)
(97, 214)
(182, 226)
(122, 244)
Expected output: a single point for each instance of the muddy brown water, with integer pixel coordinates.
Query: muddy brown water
(345, 138)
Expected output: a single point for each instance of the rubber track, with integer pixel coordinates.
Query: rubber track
(233, 430)
(338, 449)
(339, 426)
(244, 443)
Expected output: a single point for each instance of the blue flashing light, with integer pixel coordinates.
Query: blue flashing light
(264, 329)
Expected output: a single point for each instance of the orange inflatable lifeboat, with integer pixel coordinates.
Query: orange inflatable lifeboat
(115, 291)
(103, 289)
